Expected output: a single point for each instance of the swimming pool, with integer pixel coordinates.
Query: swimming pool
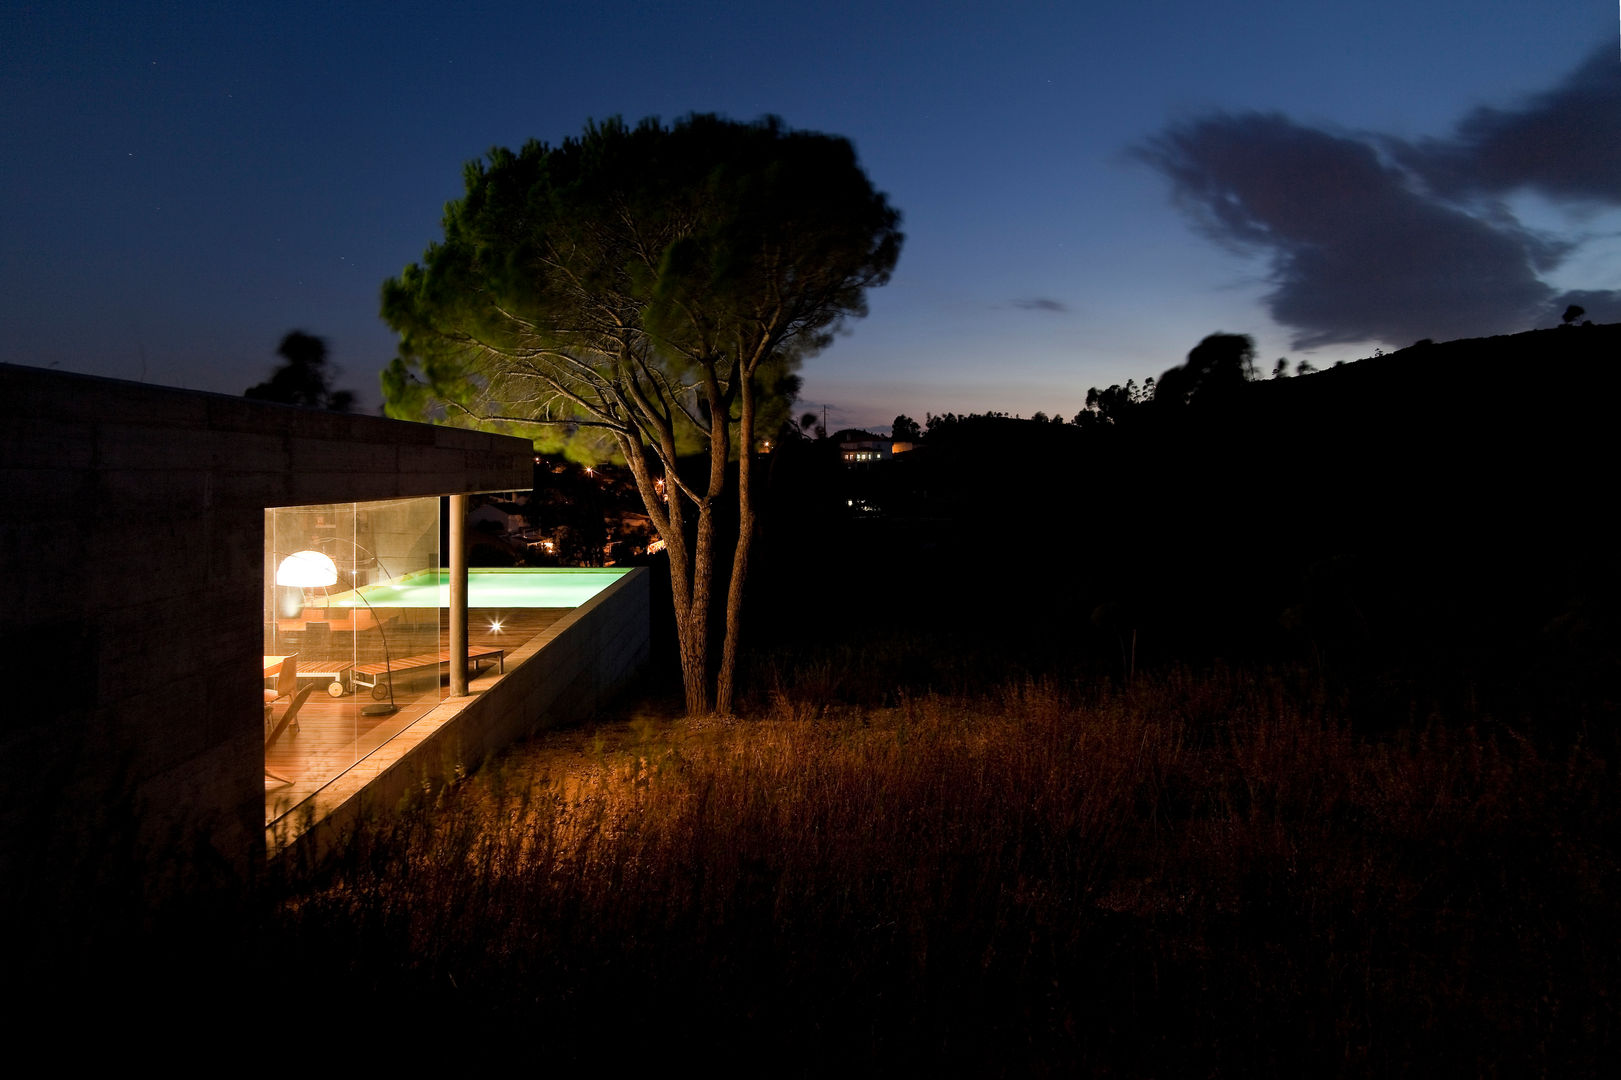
(517, 587)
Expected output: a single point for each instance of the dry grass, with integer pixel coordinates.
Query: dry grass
(1208, 874)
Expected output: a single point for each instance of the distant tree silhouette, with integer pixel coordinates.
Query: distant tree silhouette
(1216, 366)
(905, 429)
(304, 379)
(940, 422)
(1113, 405)
(1572, 313)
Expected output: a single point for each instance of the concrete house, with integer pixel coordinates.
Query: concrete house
(183, 689)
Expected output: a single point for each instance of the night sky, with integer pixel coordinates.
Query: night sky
(1086, 192)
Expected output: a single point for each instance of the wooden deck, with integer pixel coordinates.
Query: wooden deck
(332, 734)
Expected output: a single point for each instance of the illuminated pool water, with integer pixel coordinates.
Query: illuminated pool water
(519, 587)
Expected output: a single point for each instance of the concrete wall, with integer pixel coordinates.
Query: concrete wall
(132, 534)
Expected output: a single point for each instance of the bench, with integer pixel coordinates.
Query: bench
(376, 676)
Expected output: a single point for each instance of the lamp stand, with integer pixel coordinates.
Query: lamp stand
(381, 708)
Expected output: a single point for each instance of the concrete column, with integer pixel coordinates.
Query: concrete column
(458, 596)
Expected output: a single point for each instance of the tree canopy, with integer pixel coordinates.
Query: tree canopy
(1214, 368)
(645, 292)
(303, 378)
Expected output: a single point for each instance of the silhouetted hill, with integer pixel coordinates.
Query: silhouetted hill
(1439, 506)
(1453, 493)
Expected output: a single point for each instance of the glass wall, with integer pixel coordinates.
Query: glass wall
(369, 660)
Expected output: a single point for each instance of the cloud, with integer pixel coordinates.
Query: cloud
(1564, 144)
(1040, 303)
(1369, 238)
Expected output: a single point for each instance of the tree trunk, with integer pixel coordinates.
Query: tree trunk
(726, 680)
(695, 640)
(692, 640)
(690, 569)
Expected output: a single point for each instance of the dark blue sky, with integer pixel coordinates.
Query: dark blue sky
(1086, 192)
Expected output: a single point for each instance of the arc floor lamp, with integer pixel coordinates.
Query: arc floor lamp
(316, 570)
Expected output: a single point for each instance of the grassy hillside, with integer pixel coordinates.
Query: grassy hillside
(1204, 875)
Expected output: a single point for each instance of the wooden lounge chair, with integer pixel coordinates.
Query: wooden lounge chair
(290, 717)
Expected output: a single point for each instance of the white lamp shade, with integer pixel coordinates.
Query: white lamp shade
(307, 569)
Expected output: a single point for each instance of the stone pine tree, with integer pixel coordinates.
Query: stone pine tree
(646, 291)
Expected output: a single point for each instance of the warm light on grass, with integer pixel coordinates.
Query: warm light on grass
(1205, 869)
